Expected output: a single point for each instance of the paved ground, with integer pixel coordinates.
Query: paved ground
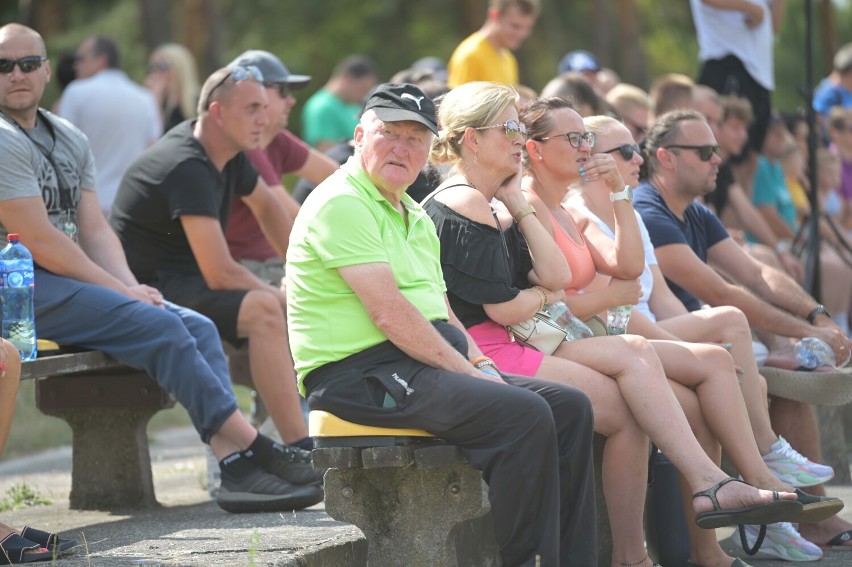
(190, 530)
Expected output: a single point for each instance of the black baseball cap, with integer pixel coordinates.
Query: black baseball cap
(273, 69)
(394, 102)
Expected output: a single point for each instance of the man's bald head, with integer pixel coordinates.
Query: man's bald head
(10, 31)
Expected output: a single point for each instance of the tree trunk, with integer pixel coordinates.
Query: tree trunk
(156, 22)
(632, 58)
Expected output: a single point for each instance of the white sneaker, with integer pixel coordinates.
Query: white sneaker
(782, 541)
(793, 468)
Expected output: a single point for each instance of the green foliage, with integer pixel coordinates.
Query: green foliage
(311, 37)
(252, 550)
(22, 496)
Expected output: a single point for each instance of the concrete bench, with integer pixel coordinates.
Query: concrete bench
(416, 498)
(108, 406)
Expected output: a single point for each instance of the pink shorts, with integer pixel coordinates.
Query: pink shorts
(510, 356)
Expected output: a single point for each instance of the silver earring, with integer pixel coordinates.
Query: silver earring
(476, 159)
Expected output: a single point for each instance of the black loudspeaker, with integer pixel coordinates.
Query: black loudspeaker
(665, 525)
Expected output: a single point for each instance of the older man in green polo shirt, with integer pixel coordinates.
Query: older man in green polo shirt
(375, 342)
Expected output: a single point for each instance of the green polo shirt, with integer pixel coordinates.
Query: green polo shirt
(345, 222)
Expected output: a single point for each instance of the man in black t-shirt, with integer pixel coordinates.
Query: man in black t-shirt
(688, 239)
(170, 213)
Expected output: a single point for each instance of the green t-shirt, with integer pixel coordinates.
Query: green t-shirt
(326, 117)
(345, 222)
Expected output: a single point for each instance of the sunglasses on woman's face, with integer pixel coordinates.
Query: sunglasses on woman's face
(627, 151)
(25, 64)
(705, 153)
(513, 128)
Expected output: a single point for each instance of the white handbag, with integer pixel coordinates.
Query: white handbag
(539, 332)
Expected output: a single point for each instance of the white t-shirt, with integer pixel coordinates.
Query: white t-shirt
(120, 119)
(724, 32)
(646, 280)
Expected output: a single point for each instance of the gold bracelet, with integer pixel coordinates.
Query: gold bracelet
(542, 295)
(528, 210)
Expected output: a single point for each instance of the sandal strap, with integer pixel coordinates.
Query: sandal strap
(42, 537)
(757, 543)
(711, 492)
(14, 546)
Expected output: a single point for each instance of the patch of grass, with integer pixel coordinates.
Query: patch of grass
(22, 496)
(252, 550)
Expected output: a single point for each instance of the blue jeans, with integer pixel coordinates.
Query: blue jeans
(176, 346)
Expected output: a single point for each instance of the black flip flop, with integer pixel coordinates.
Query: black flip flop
(838, 541)
(764, 513)
(49, 540)
(13, 550)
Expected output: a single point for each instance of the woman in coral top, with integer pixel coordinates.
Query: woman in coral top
(703, 376)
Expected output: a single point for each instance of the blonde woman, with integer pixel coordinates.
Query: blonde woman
(173, 78)
(500, 265)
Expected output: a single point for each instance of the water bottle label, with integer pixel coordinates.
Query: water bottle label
(15, 279)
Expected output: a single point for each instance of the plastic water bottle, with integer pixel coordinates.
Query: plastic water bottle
(563, 317)
(812, 352)
(16, 294)
(617, 319)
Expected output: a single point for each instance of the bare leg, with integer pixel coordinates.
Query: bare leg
(624, 458)
(8, 391)
(236, 434)
(631, 361)
(796, 421)
(704, 548)
(709, 371)
(729, 325)
(261, 320)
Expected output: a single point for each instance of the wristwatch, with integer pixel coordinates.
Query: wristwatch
(625, 194)
(816, 311)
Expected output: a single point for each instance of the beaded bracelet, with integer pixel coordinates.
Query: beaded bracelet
(542, 295)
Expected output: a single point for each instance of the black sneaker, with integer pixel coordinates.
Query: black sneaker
(293, 465)
(260, 491)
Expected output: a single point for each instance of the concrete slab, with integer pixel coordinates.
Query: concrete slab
(189, 530)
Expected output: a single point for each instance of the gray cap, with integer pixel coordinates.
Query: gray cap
(273, 69)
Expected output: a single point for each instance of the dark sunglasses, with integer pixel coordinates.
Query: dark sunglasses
(282, 88)
(159, 66)
(575, 138)
(239, 73)
(26, 64)
(513, 128)
(705, 153)
(627, 151)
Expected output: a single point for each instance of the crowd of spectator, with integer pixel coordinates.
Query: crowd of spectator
(432, 212)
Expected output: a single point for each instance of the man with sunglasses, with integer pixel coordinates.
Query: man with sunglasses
(119, 117)
(280, 152)
(169, 215)
(86, 295)
(690, 244)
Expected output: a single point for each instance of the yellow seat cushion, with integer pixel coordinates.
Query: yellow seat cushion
(324, 424)
(44, 345)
